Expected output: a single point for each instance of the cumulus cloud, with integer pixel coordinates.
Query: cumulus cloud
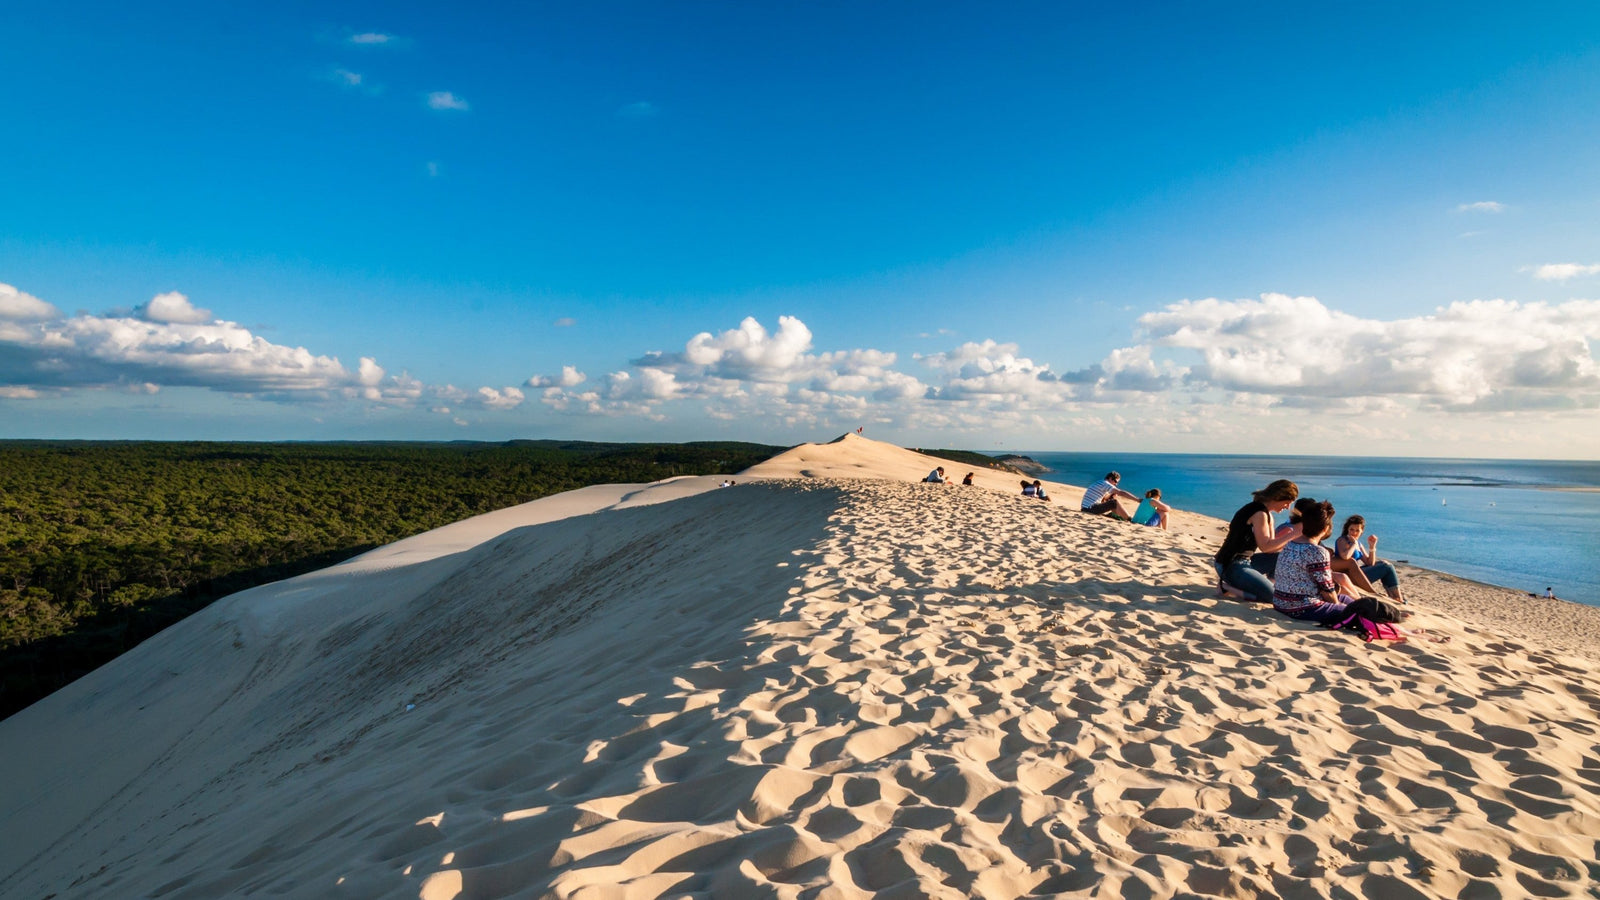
(169, 342)
(569, 377)
(750, 370)
(1465, 354)
(1564, 271)
(504, 398)
(18, 306)
(1488, 206)
(172, 307)
(750, 352)
(446, 100)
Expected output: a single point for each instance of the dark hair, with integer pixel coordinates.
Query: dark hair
(1282, 489)
(1315, 519)
(1113, 476)
(1353, 520)
(1153, 492)
(1298, 511)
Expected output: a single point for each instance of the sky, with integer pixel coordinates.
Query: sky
(1366, 228)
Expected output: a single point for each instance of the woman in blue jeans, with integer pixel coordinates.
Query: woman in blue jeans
(1251, 530)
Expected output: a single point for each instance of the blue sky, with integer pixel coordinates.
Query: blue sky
(1231, 227)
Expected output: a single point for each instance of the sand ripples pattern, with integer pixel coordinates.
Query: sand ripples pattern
(829, 689)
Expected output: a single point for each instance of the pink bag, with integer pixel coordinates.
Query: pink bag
(1380, 631)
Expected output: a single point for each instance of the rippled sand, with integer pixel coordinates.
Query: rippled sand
(811, 685)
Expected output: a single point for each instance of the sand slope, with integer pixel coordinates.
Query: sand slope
(815, 687)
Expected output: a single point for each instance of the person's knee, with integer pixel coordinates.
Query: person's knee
(1387, 575)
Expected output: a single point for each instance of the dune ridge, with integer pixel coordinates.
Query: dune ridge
(826, 681)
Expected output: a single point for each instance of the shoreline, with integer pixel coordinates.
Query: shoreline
(1540, 532)
(1573, 625)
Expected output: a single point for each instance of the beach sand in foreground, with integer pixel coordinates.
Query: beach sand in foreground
(826, 681)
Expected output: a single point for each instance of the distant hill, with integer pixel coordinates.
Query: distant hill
(973, 458)
(1025, 463)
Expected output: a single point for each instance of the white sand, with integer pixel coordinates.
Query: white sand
(827, 681)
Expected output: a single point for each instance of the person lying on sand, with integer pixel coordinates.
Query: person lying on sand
(1038, 490)
(967, 480)
(937, 477)
(1249, 531)
(1348, 547)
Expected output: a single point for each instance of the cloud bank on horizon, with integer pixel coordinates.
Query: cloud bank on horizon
(1190, 367)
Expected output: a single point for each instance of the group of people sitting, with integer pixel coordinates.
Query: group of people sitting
(1101, 499)
(1289, 567)
(1286, 566)
(1104, 498)
(937, 477)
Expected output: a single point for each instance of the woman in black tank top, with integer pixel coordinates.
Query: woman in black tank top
(1249, 531)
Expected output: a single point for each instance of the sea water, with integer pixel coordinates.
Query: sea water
(1523, 524)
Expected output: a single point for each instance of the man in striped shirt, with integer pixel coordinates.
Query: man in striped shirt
(1101, 499)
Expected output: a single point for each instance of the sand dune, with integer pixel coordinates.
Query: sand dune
(826, 681)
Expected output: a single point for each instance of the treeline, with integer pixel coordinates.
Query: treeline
(103, 544)
(972, 458)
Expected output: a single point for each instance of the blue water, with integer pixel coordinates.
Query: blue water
(1505, 522)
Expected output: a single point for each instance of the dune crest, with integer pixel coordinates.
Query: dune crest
(807, 685)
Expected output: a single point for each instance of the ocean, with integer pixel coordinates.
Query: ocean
(1523, 524)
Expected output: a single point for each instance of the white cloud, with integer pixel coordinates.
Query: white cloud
(565, 322)
(446, 100)
(569, 377)
(351, 80)
(17, 392)
(1488, 206)
(169, 342)
(1465, 354)
(647, 385)
(749, 371)
(1564, 271)
(18, 306)
(172, 307)
(432, 169)
(505, 398)
(750, 352)
(371, 39)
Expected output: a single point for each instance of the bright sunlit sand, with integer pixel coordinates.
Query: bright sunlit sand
(828, 680)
